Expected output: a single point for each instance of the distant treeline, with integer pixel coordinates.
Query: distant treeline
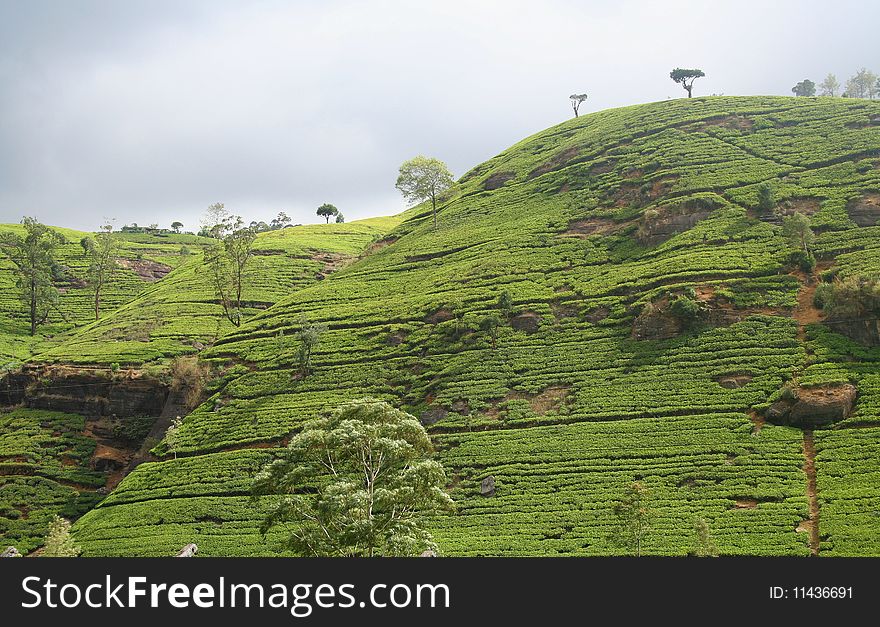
(862, 84)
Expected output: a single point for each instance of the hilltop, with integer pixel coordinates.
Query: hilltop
(595, 228)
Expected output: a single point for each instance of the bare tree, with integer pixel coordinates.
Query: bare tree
(829, 86)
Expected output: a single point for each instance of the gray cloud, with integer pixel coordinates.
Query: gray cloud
(150, 111)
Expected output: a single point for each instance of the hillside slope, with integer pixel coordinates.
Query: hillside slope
(97, 391)
(593, 227)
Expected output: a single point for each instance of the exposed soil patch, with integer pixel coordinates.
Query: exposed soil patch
(865, 211)
(549, 399)
(745, 503)
(564, 310)
(397, 338)
(379, 245)
(733, 381)
(809, 407)
(590, 226)
(497, 180)
(527, 321)
(560, 160)
(598, 314)
(801, 204)
(812, 524)
(441, 315)
(603, 167)
(662, 224)
(331, 263)
(150, 271)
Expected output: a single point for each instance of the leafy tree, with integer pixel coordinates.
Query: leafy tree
(765, 198)
(862, 85)
(59, 543)
(227, 261)
(489, 325)
(371, 484)
(686, 78)
(704, 545)
(796, 229)
(176, 226)
(308, 334)
(327, 211)
(853, 298)
(829, 86)
(805, 88)
(576, 101)
(280, 221)
(634, 517)
(100, 252)
(424, 178)
(35, 268)
(340, 218)
(215, 221)
(259, 226)
(172, 435)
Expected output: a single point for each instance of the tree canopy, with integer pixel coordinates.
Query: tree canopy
(424, 178)
(327, 211)
(576, 101)
(805, 88)
(371, 484)
(686, 78)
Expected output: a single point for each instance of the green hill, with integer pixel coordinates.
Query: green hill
(657, 319)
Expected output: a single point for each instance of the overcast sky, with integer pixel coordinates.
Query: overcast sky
(148, 112)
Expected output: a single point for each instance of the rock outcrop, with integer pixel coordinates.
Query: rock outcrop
(814, 406)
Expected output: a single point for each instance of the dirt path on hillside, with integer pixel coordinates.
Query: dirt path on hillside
(806, 312)
(811, 525)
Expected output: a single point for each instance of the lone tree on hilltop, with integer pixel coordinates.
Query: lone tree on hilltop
(805, 88)
(371, 484)
(33, 258)
(686, 78)
(576, 101)
(829, 86)
(327, 211)
(634, 518)
(100, 252)
(424, 178)
(176, 226)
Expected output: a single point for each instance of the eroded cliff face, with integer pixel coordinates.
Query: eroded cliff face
(93, 393)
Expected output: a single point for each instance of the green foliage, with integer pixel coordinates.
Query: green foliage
(634, 516)
(704, 545)
(805, 88)
(327, 211)
(228, 261)
(100, 252)
(424, 178)
(766, 201)
(374, 484)
(796, 229)
(853, 298)
(686, 78)
(308, 334)
(35, 266)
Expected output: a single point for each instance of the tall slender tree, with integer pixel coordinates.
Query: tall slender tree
(35, 268)
(100, 251)
(576, 101)
(829, 86)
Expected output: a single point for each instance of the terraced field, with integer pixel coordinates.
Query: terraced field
(47, 458)
(587, 226)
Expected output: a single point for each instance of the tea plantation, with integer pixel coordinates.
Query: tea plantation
(592, 228)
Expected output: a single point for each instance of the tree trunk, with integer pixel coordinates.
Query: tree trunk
(434, 206)
(33, 307)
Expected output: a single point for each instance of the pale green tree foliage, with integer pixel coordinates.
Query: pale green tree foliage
(59, 543)
(100, 251)
(358, 483)
(424, 178)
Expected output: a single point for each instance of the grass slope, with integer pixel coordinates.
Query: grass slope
(568, 408)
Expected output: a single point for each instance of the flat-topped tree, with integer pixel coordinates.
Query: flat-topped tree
(424, 178)
(576, 101)
(35, 268)
(805, 88)
(176, 226)
(326, 211)
(686, 78)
